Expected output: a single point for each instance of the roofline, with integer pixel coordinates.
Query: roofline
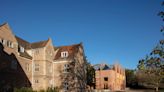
(5, 23)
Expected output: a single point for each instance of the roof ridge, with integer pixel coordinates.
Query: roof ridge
(39, 44)
(21, 39)
(39, 41)
(3, 24)
(69, 45)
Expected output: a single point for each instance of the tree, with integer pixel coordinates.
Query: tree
(74, 76)
(131, 80)
(152, 73)
(151, 69)
(90, 75)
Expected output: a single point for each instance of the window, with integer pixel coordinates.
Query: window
(13, 64)
(66, 68)
(3, 42)
(105, 86)
(64, 54)
(12, 45)
(36, 81)
(36, 67)
(105, 78)
(65, 86)
(27, 67)
(20, 49)
(8, 43)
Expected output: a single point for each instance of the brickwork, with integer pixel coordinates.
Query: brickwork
(112, 78)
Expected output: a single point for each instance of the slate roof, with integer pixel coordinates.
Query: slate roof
(23, 42)
(103, 67)
(72, 50)
(25, 45)
(39, 44)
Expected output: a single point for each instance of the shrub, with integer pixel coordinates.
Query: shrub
(23, 89)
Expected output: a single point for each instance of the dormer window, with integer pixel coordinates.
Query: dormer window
(20, 49)
(3, 42)
(9, 43)
(12, 45)
(64, 54)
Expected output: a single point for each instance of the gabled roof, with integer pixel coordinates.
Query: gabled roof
(23, 42)
(25, 55)
(72, 50)
(102, 67)
(6, 32)
(25, 45)
(3, 24)
(39, 44)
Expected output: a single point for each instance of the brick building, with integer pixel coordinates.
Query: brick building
(39, 65)
(110, 77)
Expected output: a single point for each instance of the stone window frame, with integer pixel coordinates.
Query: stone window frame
(4, 41)
(66, 86)
(10, 44)
(64, 54)
(27, 67)
(36, 81)
(66, 68)
(21, 49)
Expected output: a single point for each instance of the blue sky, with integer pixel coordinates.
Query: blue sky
(122, 31)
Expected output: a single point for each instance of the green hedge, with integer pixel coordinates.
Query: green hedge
(52, 89)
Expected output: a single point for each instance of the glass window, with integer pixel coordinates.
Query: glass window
(20, 49)
(3, 42)
(27, 67)
(66, 68)
(65, 86)
(64, 54)
(105, 78)
(36, 81)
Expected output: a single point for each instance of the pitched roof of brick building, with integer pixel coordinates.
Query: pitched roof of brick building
(103, 67)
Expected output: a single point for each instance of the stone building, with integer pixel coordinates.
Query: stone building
(110, 77)
(39, 65)
(69, 67)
